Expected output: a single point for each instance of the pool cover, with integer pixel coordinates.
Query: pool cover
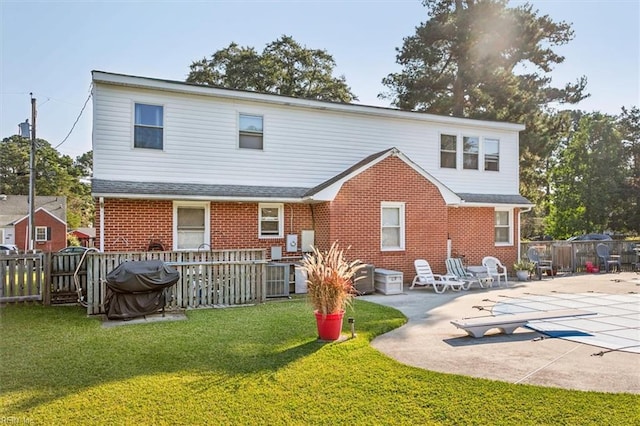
(616, 325)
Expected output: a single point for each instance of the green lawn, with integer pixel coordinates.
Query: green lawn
(254, 365)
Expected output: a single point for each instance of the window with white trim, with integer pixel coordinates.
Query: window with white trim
(448, 151)
(148, 126)
(42, 233)
(270, 220)
(251, 131)
(503, 226)
(392, 226)
(470, 150)
(492, 154)
(191, 225)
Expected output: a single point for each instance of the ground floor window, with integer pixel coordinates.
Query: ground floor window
(503, 225)
(270, 220)
(43, 233)
(392, 226)
(191, 225)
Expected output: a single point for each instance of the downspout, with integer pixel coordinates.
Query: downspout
(101, 224)
(520, 211)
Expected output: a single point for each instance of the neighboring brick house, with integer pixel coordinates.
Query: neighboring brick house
(50, 221)
(200, 167)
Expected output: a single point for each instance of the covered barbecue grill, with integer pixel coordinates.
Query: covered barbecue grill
(136, 289)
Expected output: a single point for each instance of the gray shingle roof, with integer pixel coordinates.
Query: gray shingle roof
(15, 207)
(494, 198)
(112, 187)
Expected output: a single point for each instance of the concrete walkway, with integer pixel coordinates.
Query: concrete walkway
(431, 342)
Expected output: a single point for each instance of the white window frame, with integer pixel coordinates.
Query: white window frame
(133, 127)
(38, 230)
(477, 154)
(509, 226)
(454, 152)
(207, 221)
(280, 207)
(484, 154)
(401, 207)
(240, 132)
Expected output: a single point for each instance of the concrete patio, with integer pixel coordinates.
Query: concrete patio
(430, 341)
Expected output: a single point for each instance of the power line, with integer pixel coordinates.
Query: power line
(77, 119)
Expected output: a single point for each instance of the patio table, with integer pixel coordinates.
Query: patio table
(480, 272)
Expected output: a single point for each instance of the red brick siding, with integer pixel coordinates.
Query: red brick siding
(355, 217)
(42, 218)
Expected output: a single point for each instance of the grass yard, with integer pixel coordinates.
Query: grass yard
(254, 365)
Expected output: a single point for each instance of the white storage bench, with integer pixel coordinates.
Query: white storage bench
(388, 281)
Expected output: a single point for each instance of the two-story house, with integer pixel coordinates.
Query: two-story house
(194, 166)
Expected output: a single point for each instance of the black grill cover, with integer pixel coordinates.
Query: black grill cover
(136, 289)
(142, 277)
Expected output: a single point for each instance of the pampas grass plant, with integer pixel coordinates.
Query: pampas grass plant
(330, 279)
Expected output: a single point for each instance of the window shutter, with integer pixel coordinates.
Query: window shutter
(48, 233)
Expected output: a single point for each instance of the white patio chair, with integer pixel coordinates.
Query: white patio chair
(495, 269)
(440, 283)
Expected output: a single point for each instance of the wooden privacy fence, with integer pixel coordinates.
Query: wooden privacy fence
(571, 256)
(22, 278)
(207, 278)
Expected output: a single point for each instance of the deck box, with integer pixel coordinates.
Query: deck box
(388, 281)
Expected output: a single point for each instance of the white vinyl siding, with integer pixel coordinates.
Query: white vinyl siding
(190, 225)
(503, 226)
(200, 143)
(270, 220)
(392, 226)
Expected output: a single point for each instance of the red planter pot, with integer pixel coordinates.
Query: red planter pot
(329, 326)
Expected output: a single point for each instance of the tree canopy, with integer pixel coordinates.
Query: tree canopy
(55, 175)
(481, 59)
(284, 68)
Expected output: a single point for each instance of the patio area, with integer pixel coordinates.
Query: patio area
(587, 362)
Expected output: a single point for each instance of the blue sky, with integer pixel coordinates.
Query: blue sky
(50, 47)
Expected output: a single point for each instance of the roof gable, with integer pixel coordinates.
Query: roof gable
(328, 190)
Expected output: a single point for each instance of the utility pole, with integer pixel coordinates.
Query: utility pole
(32, 176)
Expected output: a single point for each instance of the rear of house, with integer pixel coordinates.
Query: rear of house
(188, 167)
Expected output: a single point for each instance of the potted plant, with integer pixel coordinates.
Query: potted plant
(330, 288)
(523, 269)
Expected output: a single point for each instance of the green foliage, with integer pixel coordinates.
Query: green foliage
(55, 175)
(284, 68)
(589, 178)
(255, 365)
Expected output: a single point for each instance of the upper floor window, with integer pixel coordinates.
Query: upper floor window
(470, 152)
(43, 233)
(271, 220)
(392, 226)
(503, 224)
(148, 126)
(251, 129)
(492, 154)
(448, 151)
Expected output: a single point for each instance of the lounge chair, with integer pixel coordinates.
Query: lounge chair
(495, 269)
(539, 264)
(606, 258)
(440, 283)
(457, 269)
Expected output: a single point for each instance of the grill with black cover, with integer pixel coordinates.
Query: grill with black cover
(137, 288)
